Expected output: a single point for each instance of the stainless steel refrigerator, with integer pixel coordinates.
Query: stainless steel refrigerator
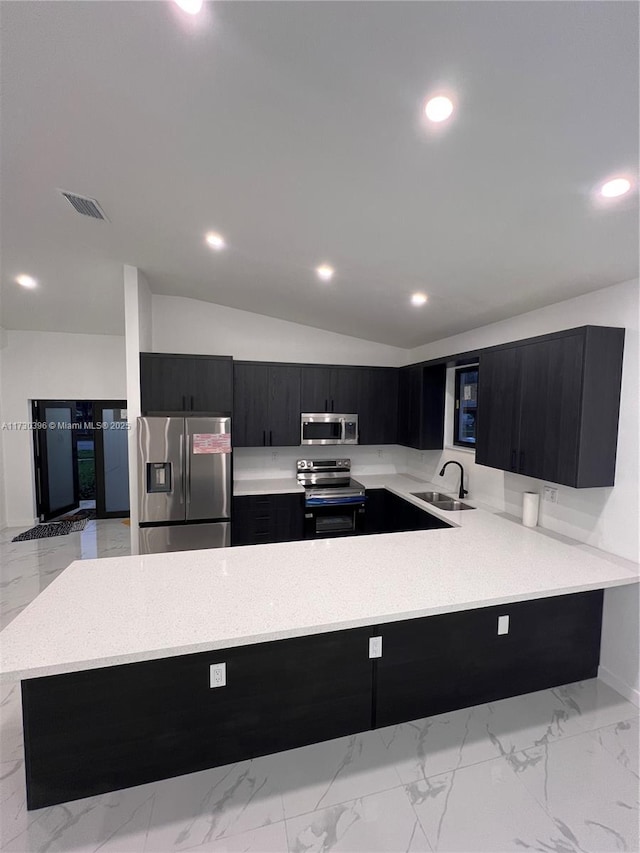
(184, 483)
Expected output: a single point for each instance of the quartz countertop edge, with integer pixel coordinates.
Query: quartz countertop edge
(267, 486)
(121, 610)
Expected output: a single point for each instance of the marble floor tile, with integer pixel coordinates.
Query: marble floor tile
(483, 809)
(595, 704)
(379, 823)
(434, 745)
(11, 735)
(196, 810)
(332, 772)
(266, 839)
(622, 741)
(591, 797)
(115, 823)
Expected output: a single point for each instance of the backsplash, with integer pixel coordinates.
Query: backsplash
(265, 462)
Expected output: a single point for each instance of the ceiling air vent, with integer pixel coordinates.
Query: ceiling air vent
(85, 206)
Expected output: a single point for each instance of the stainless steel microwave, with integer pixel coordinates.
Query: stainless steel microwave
(328, 428)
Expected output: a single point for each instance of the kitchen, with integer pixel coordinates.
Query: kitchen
(340, 682)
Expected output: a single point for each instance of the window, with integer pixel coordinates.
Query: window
(466, 404)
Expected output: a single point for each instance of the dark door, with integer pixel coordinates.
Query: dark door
(316, 388)
(499, 409)
(112, 460)
(550, 397)
(284, 405)
(56, 458)
(251, 404)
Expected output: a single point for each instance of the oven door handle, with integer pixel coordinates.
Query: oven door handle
(342, 501)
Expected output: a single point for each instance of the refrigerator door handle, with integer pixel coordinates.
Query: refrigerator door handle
(182, 468)
(187, 468)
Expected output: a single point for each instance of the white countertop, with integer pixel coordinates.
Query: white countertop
(125, 609)
(273, 486)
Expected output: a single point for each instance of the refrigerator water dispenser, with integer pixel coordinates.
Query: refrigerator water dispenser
(158, 477)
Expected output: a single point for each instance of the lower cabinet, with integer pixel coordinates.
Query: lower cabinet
(388, 513)
(441, 663)
(104, 729)
(89, 732)
(257, 519)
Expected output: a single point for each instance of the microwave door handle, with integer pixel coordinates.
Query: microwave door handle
(343, 429)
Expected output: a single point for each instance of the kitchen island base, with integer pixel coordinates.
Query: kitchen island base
(103, 729)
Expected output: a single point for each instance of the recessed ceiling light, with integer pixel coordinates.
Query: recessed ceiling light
(438, 108)
(26, 281)
(325, 272)
(615, 187)
(216, 241)
(191, 7)
(418, 299)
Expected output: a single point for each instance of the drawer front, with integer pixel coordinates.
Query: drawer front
(455, 660)
(267, 518)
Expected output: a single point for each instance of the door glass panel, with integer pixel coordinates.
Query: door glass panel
(116, 461)
(60, 461)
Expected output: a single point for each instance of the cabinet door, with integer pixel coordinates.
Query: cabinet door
(284, 405)
(114, 727)
(210, 384)
(550, 397)
(165, 382)
(378, 406)
(347, 386)
(316, 388)
(409, 406)
(499, 409)
(251, 404)
(441, 663)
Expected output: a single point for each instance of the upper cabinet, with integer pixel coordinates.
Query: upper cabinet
(548, 408)
(421, 406)
(185, 383)
(369, 392)
(266, 404)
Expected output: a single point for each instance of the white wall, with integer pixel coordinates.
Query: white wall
(49, 366)
(192, 326)
(3, 505)
(138, 335)
(604, 518)
(262, 463)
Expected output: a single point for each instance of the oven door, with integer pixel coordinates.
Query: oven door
(334, 519)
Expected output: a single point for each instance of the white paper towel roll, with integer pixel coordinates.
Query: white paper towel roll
(530, 506)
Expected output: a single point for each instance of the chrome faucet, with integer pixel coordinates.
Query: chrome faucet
(462, 491)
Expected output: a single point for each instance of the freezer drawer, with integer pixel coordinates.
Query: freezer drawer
(184, 537)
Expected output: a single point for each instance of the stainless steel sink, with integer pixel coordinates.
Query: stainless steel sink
(431, 497)
(445, 502)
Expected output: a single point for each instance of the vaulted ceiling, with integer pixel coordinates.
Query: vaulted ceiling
(296, 130)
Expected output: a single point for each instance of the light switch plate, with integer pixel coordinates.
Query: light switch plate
(503, 624)
(218, 675)
(375, 647)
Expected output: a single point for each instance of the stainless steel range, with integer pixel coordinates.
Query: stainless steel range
(334, 503)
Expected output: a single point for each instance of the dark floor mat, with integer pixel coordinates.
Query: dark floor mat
(55, 528)
(78, 515)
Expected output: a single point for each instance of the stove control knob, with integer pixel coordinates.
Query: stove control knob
(303, 464)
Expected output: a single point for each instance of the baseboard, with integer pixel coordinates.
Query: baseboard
(619, 685)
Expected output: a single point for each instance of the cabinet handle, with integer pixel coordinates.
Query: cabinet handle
(264, 437)
(271, 437)
(521, 466)
(513, 460)
(184, 403)
(326, 405)
(333, 403)
(191, 398)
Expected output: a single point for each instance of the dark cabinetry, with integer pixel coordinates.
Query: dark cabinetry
(258, 519)
(421, 406)
(388, 513)
(369, 392)
(185, 383)
(441, 663)
(548, 408)
(266, 404)
(110, 728)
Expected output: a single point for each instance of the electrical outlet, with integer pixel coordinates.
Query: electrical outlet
(274, 455)
(503, 624)
(551, 494)
(422, 457)
(380, 453)
(218, 675)
(375, 647)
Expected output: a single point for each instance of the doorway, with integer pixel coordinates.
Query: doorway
(81, 457)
